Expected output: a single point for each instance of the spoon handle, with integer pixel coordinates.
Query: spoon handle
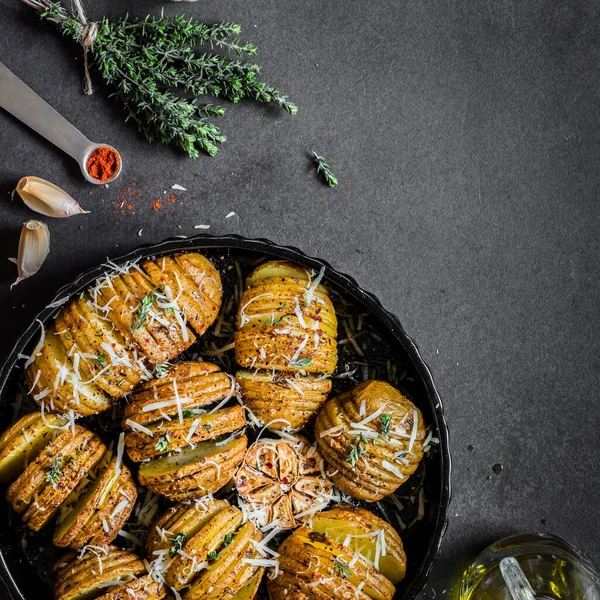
(23, 103)
(515, 580)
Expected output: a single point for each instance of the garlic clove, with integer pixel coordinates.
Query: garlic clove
(34, 246)
(47, 199)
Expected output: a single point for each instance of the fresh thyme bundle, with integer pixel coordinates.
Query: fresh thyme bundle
(155, 72)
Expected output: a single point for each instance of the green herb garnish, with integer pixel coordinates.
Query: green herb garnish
(303, 362)
(163, 443)
(187, 413)
(272, 321)
(177, 543)
(324, 170)
(213, 555)
(341, 569)
(227, 540)
(385, 422)
(146, 63)
(161, 369)
(67, 335)
(207, 426)
(142, 311)
(359, 447)
(54, 471)
(101, 360)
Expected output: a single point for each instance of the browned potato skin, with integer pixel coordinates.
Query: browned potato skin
(198, 479)
(369, 522)
(88, 527)
(144, 588)
(270, 397)
(180, 518)
(267, 299)
(141, 446)
(80, 452)
(198, 284)
(73, 575)
(23, 442)
(204, 383)
(48, 361)
(301, 564)
(371, 481)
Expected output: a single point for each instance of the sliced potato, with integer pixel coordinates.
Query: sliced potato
(23, 441)
(96, 573)
(193, 472)
(99, 349)
(211, 538)
(181, 519)
(273, 399)
(285, 323)
(180, 434)
(229, 572)
(351, 526)
(197, 384)
(143, 588)
(316, 565)
(54, 382)
(53, 475)
(97, 509)
(250, 589)
(199, 308)
(384, 460)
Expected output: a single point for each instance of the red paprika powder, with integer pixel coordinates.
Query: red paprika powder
(103, 163)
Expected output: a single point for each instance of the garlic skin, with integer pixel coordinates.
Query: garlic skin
(34, 246)
(47, 199)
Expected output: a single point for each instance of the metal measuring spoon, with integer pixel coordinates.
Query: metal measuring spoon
(23, 103)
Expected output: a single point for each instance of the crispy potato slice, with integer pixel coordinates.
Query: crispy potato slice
(198, 384)
(54, 382)
(189, 431)
(99, 349)
(385, 461)
(97, 509)
(318, 567)
(271, 397)
(143, 588)
(24, 440)
(250, 589)
(199, 308)
(88, 575)
(53, 475)
(186, 519)
(193, 472)
(212, 537)
(285, 323)
(160, 335)
(207, 280)
(229, 571)
(351, 526)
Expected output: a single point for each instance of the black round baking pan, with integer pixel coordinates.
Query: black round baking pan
(18, 571)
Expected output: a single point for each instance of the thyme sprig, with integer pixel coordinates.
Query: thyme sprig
(359, 447)
(324, 170)
(155, 70)
(177, 543)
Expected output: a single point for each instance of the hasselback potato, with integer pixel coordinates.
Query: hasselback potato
(47, 482)
(104, 573)
(207, 551)
(71, 472)
(371, 438)
(346, 552)
(282, 481)
(108, 339)
(191, 444)
(286, 341)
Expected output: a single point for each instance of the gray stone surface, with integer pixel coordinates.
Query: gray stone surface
(465, 136)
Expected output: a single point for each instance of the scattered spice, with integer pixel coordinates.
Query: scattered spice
(103, 163)
(157, 205)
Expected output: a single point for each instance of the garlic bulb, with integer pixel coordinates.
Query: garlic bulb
(34, 246)
(47, 199)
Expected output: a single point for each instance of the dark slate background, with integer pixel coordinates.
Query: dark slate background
(465, 135)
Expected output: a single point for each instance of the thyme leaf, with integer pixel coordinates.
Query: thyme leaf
(359, 447)
(163, 443)
(385, 422)
(177, 543)
(324, 170)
